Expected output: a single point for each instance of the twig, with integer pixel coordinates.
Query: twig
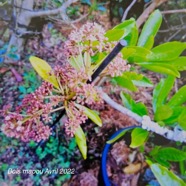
(127, 10)
(145, 121)
(61, 10)
(173, 11)
(147, 11)
(173, 35)
(179, 27)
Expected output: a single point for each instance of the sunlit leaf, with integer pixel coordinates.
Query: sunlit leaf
(163, 112)
(164, 176)
(44, 70)
(137, 54)
(125, 82)
(114, 34)
(150, 30)
(161, 68)
(139, 137)
(179, 97)
(91, 114)
(81, 141)
(167, 51)
(161, 91)
(121, 134)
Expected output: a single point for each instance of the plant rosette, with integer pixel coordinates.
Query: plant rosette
(142, 160)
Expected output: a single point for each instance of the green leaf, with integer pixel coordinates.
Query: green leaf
(126, 25)
(44, 70)
(179, 63)
(144, 82)
(140, 109)
(161, 68)
(125, 82)
(81, 141)
(166, 52)
(114, 34)
(138, 79)
(182, 119)
(132, 37)
(174, 117)
(135, 54)
(163, 112)
(121, 134)
(165, 177)
(161, 91)
(130, 31)
(171, 154)
(139, 137)
(128, 102)
(91, 114)
(150, 30)
(179, 98)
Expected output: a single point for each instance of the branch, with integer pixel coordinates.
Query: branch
(173, 11)
(145, 121)
(127, 10)
(61, 10)
(148, 10)
(120, 108)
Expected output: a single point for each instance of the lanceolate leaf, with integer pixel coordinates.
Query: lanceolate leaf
(132, 37)
(135, 54)
(171, 154)
(81, 141)
(177, 111)
(114, 34)
(161, 68)
(161, 91)
(139, 137)
(179, 63)
(167, 51)
(121, 134)
(165, 177)
(91, 114)
(163, 112)
(130, 31)
(179, 98)
(150, 29)
(44, 70)
(125, 82)
(128, 102)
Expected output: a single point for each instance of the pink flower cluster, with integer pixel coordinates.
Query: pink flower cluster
(25, 122)
(90, 38)
(28, 121)
(75, 118)
(75, 89)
